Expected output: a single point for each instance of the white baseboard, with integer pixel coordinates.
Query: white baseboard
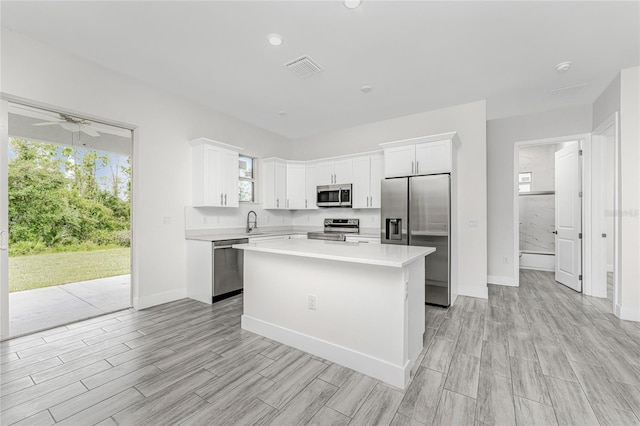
(501, 280)
(627, 314)
(159, 298)
(394, 375)
(538, 262)
(534, 268)
(481, 292)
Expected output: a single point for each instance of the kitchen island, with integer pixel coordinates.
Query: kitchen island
(358, 305)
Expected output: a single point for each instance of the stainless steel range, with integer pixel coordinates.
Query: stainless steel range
(336, 229)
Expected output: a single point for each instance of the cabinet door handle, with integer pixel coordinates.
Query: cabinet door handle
(277, 202)
(305, 204)
(221, 199)
(225, 199)
(417, 167)
(412, 167)
(287, 203)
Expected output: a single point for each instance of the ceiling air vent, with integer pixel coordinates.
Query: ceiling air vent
(566, 92)
(303, 66)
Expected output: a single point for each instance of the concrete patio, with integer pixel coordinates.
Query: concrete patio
(43, 308)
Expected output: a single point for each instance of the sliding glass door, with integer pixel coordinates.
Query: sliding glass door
(65, 218)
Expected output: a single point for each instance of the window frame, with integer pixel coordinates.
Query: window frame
(254, 179)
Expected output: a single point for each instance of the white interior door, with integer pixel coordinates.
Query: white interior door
(4, 222)
(568, 217)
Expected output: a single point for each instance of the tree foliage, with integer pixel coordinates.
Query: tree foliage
(55, 198)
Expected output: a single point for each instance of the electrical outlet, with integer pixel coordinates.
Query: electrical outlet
(505, 260)
(167, 220)
(312, 302)
(205, 220)
(282, 219)
(217, 219)
(266, 219)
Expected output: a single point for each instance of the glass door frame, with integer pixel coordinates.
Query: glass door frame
(4, 219)
(5, 99)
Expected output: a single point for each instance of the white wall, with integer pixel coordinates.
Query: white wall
(502, 134)
(164, 123)
(629, 301)
(469, 121)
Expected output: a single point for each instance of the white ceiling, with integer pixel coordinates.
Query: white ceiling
(417, 55)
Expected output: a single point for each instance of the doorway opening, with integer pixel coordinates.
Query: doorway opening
(68, 216)
(548, 205)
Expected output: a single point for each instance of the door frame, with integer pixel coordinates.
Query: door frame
(598, 163)
(584, 139)
(5, 99)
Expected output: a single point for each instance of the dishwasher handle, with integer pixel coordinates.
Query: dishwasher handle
(222, 247)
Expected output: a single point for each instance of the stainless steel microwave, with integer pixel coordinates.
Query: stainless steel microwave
(334, 196)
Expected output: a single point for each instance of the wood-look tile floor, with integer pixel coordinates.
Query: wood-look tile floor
(534, 355)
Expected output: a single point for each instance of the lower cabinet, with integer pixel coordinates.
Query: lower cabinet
(361, 239)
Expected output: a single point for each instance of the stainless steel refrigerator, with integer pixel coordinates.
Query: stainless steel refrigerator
(416, 211)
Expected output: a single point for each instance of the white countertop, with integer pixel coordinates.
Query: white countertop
(371, 254)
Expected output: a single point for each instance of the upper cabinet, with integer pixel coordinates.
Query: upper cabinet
(274, 183)
(334, 172)
(311, 184)
(419, 156)
(296, 186)
(367, 174)
(214, 173)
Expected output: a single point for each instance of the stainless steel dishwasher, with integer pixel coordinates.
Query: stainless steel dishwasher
(228, 264)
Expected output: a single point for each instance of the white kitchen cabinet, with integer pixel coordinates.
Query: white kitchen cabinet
(230, 180)
(274, 184)
(362, 239)
(343, 171)
(367, 173)
(214, 173)
(296, 186)
(399, 161)
(377, 174)
(335, 172)
(419, 156)
(311, 186)
(433, 157)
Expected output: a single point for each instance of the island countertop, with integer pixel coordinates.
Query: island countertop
(397, 256)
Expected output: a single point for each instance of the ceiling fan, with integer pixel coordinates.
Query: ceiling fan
(72, 124)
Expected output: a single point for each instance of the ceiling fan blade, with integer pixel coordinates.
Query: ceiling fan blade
(71, 127)
(89, 131)
(47, 123)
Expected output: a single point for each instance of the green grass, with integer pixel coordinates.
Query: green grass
(44, 270)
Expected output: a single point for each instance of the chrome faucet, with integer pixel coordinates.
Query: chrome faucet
(252, 225)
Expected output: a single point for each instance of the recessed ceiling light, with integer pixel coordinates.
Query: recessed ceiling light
(352, 4)
(274, 39)
(563, 66)
(366, 89)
